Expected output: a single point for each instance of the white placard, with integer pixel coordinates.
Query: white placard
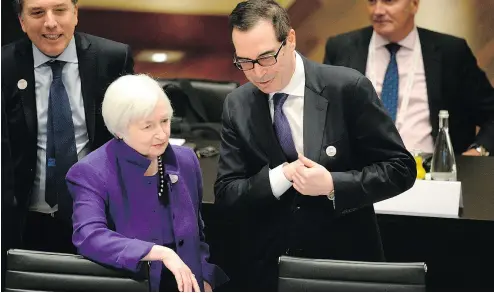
(176, 141)
(425, 198)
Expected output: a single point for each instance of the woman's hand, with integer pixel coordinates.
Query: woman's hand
(207, 287)
(186, 281)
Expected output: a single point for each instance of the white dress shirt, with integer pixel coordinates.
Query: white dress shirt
(413, 123)
(43, 77)
(293, 109)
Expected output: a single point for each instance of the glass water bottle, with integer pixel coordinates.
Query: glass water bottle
(443, 165)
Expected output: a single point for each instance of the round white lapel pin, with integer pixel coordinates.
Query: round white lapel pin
(22, 84)
(173, 178)
(331, 151)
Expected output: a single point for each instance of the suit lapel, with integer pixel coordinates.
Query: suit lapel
(358, 60)
(263, 125)
(315, 109)
(88, 74)
(179, 193)
(432, 67)
(25, 61)
(314, 123)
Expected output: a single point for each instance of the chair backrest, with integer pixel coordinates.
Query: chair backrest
(301, 275)
(204, 97)
(44, 271)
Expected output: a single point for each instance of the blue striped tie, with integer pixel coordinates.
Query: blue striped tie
(282, 127)
(389, 94)
(61, 152)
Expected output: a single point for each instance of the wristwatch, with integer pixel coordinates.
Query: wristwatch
(482, 151)
(331, 195)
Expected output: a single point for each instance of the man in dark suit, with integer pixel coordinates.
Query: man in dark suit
(306, 150)
(433, 72)
(53, 86)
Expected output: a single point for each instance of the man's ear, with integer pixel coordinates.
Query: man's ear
(76, 12)
(415, 6)
(291, 39)
(21, 21)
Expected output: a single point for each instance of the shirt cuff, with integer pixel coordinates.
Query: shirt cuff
(279, 183)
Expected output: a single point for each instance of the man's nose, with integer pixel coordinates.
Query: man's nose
(50, 20)
(259, 71)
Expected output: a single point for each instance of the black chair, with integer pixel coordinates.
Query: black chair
(302, 275)
(197, 105)
(204, 97)
(45, 271)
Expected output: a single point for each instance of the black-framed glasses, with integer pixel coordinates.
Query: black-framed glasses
(264, 61)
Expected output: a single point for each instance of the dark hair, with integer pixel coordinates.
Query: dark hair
(18, 5)
(248, 13)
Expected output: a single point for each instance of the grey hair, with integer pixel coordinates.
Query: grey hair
(248, 13)
(130, 98)
(19, 5)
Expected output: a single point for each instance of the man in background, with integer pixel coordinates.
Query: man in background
(418, 72)
(53, 84)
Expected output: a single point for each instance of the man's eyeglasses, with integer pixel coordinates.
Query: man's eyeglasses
(268, 60)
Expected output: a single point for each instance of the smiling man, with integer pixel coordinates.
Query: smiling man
(417, 73)
(53, 85)
(306, 150)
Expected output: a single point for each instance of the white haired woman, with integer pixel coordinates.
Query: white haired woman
(137, 198)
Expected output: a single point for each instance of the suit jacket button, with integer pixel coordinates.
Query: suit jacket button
(181, 242)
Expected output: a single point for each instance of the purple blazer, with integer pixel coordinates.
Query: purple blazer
(107, 187)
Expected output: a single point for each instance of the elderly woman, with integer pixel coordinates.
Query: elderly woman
(137, 199)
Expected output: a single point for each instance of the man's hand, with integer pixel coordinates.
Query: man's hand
(472, 152)
(207, 287)
(289, 169)
(311, 178)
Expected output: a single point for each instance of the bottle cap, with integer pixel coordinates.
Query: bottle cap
(443, 114)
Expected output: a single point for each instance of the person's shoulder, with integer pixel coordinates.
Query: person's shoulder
(323, 75)
(241, 94)
(186, 159)
(97, 161)
(101, 44)
(8, 61)
(8, 51)
(453, 49)
(243, 90)
(339, 84)
(183, 154)
(441, 39)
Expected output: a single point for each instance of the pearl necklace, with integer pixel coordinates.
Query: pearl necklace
(161, 172)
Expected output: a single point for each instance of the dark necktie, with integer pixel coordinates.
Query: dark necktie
(282, 127)
(389, 94)
(61, 152)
